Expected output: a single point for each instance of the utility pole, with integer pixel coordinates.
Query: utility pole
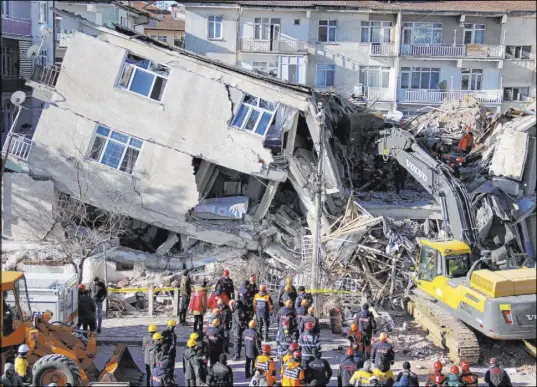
(319, 189)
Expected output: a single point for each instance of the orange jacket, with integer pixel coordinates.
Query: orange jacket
(466, 143)
(266, 363)
(198, 302)
(293, 374)
(471, 379)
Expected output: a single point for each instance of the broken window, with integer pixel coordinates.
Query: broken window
(471, 79)
(327, 31)
(376, 32)
(215, 27)
(325, 75)
(474, 33)
(375, 76)
(517, 52)
(422, 33)
(144, 77)
(254, 115)
(115, 149)
(420, 78)
(516, 93)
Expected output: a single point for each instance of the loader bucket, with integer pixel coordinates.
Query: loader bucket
(121, 368)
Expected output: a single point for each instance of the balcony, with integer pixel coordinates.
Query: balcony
(382, 49)
(45, 75)
(379, 93)
(13, 83)
(19, 148)
(276, 46)
(492, 96)
(16, 26)
(457, 51)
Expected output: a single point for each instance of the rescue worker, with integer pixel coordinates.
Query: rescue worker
(239, 323)
(10, 378)
(362, 376)
(318, 371)
(310, 317)
(284, 339)
(192, 366)
(221, 374)
(347, 368)
(495, 375)
(147, 344)
(87, 310)
(307, 342)
(453, 378)
(288, 289)
(383, 354)
(263, 309)
(252, 345)
(287, 313)
(160, 360)
(198, 306)
(213, 315)
(202, 351)
(225, 287)
(169, 346)
(437, 378)
(366, 325)
(406, 377)
(251, 286)
(355, 338)
(186, 293)
(99, 293)
(468, 376)
(226, 317)
(466, 143)
(288, 355)
(302, 295)
(301, 311)
(266, 363)
(215, 341)
(293, 373)
(385, 378)
(21, 364)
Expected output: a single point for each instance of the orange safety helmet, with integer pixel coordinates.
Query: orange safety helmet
(252, 324)
(226, 273)
(455, 370)
(293, 346)
(297, 355)
(383, 336)
(266, 348)
(354, 327)
(304, 302)
(349, 352)
(288, 289)
(437, 366)
(81, 287)
(465, 366)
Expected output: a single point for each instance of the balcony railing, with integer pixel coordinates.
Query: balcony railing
(11, 83)
(16, 26)
(493, 96)
(382, 49)
(285, 46)
(458, 51)
(380, 93)
(19, 147)
(46, 75)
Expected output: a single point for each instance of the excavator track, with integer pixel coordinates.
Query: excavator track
(445, 330)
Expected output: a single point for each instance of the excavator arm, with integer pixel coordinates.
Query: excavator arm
(437, 179)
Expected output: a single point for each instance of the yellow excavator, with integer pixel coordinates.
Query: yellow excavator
(58, 353)
(460, 288)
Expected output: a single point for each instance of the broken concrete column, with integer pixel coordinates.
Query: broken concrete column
(264, 205)
(164, 248)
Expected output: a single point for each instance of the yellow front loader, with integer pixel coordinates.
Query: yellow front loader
(58, 353)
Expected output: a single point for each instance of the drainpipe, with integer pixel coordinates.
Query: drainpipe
(53, 33)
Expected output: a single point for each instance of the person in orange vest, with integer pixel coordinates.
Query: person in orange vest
(436, 379)
(198, 306)
(266, 363)
(469, 377)
(293, 373)
(467, 142)
(263, 309)
(355, 338)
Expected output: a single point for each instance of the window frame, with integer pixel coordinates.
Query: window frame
(43, 57)
(163, 38)
(472, 28)
(214, 22)
(138, 68)
(420, 71)
(412, 27)
(368, 25)
(260, 110)
(109, 139)
(326, 77)
(473, 76)
(519, 93)
(371, 69)
(266, 68)
(328, 28)
(521, 52)
(265, 25)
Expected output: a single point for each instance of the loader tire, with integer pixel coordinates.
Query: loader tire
(57, 369)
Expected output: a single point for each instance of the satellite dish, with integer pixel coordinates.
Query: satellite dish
(18, 98)
(45, 30)
(33, 52)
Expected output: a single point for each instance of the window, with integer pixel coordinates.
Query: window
(517, 52)
(115, 149)
(7, 63)
(376, 32)
(422, 33)
(471, 79)
(270, 68)
(474, 33)
(42, 58)
(154, 36)
(10, 312)
(325, 75)
(428, 264)
(24, 300)
(293, 69)
(266, 28)
(215, 27)
(375, 76)
(516, 93)
(7, 117)
(43, 12)
(144, 77)
(327, 31)
(58, 27)
(297, 22)
(420, 78)
(254, 115)
(5, 8)
(457, 265)
(163, 39)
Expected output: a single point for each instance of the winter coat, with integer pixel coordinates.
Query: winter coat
(148, 347)
(252, 343)
(307, 343)
(98, 291)
(262, 305)
(198, 302)
(346, 370)
(383, 354)
(301, 297)
(320, 371)
(287, 314)
(87, 310)
(366, 322)
(191, 365)
(221, 375)
(169, 342)
(13, 380)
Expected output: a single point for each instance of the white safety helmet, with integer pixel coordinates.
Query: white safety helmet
(23, 349)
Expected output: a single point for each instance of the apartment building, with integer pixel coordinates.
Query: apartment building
(401, 55)
(164, 26)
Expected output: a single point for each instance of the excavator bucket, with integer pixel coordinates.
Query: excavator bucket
(121, 369)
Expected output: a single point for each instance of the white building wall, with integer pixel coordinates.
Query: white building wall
(289, 31)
